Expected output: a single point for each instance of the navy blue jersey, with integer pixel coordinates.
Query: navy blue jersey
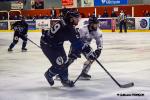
(20, 27)
(60, 33)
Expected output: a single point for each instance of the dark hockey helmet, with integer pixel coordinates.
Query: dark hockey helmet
(70, 14)
(93, 20)
(93, 23)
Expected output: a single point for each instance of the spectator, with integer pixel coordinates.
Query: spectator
(40, 16)
(105, 14)
(93, 14)
(82, 15)
(99, 16)
(113, 14)
(147, 13)
(36, 16)
(3, 16)
(89, 15)
(46, 16)
(15, 17)
(29, 17)
(11, 17)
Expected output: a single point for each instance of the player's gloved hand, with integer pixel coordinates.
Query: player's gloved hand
(88, 52)
(98, 52)
(91, 55)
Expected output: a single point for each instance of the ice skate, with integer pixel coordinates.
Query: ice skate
(85, 76)
(49, 78)
(10, 50)
(67, 83)
(24, 49)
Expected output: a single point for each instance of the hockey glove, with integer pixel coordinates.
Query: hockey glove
(88, 53)
(91, 55)
(98, 52)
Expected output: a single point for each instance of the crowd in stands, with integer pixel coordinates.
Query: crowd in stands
(3, 16)
(53, 15)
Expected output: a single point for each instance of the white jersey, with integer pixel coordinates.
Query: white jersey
(87, 36)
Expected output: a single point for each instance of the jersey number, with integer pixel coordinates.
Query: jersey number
(55, 28)
(18, 28)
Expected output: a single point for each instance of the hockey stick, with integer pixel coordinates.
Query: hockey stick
(33, 43)
(80, 74)
(120, 85)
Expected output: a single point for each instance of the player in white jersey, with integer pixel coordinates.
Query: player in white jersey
(87, 34)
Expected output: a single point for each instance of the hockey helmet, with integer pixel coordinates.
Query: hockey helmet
(93, 20)
(70, 14)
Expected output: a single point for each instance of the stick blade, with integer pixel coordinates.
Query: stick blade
(127, 85)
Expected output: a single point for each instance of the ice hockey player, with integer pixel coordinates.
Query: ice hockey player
(52, 46)
(20, 31)
(87, 34)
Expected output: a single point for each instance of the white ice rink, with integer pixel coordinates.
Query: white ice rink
(125, 56)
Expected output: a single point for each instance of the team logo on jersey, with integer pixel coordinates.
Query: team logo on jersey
(16, 38)
(19, 28)
(59, 60)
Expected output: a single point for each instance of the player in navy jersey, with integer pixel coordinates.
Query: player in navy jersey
(52, 46)
(20, 31)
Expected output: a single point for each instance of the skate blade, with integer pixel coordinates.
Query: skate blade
(83, 78)
(24, 50)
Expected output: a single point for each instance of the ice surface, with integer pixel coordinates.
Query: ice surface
(126, 56)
